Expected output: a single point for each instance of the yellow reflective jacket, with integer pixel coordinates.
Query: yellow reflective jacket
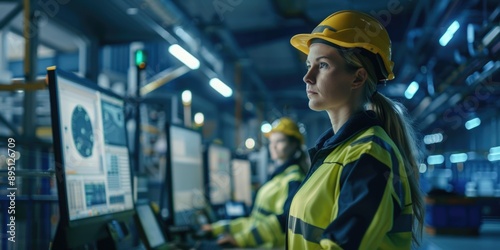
(356, 194)
(261, 229)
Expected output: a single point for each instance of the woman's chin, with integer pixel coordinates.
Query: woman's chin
(314, 106)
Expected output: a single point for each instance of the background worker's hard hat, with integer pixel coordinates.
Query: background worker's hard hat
(288, 127)
(352, 29)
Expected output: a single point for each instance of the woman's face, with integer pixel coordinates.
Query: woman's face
(327, 79)
(280, 147)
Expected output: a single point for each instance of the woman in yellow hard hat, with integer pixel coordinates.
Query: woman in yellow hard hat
(361, 191)
(286, 150)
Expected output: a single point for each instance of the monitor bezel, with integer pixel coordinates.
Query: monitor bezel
(52, 74)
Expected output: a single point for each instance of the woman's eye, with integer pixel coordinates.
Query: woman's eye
(322, 65)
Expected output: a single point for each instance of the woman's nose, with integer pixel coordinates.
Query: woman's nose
(308, 77)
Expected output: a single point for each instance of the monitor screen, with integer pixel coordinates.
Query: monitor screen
(219, 177)
(235, 209)
(90, 148)
(184, 174)
(150, 226)
(242, 185)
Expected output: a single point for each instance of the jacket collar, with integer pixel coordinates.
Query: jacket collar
(283, 167)
(358, 122)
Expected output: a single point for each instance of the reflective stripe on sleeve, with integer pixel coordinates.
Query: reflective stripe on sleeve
(308, 231)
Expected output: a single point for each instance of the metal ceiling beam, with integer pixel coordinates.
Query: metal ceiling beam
(248, 39)
(249, 71)
(11, 15)
(119, 38)
(41, 41)
(148, 21)
(431, 19)
(162, 78)
(73, 22)
(183, 19)
(9, 125)
(448, 98)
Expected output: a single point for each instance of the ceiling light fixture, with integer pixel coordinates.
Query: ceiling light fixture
(221, 87)
(184, 56)
(448, 35)
(470, 124)
(411, 90)
(456, 158)
(266, 127)
(435, 159)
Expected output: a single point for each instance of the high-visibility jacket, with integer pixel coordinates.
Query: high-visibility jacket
(356, 194)
(262, 229)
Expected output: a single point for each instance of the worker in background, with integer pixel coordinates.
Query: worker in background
(362, 189)
(287, 151)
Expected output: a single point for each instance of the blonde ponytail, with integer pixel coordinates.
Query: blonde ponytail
(398, 127)
(396, 124)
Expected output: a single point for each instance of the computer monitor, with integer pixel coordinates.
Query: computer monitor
(235, 209)
(184, 192)
(92, 159)
(150, 229)
(218, 161)
(242, 184)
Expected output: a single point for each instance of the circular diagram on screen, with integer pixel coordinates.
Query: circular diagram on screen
(81, 130)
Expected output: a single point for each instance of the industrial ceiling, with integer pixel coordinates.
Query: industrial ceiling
(248, 42)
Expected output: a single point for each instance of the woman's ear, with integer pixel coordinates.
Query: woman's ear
(360, 78)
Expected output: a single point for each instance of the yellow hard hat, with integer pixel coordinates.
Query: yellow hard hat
(288, 127)
(352, 29)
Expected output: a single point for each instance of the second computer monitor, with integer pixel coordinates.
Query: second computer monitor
(184, 187)
(219, 174)
(242, 184)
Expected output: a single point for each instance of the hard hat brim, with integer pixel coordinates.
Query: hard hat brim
(302, 43)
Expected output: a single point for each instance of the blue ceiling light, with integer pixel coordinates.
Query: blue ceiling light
(495, 150)
(433, 138)
(470, 124)
(494, 154)
(494, 157)
(448, 35)
(435, 159)
(411, 90)
(456, 158)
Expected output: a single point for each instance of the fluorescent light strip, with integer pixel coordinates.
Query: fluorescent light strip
(184, 56)
(470, 124)
(495, 150)
(411, 90)
(448, 35)
(456, 158)
(433, 138)
(435, 159)
(491, 35)
(221, 87)
(186, 37)
(494, 157)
